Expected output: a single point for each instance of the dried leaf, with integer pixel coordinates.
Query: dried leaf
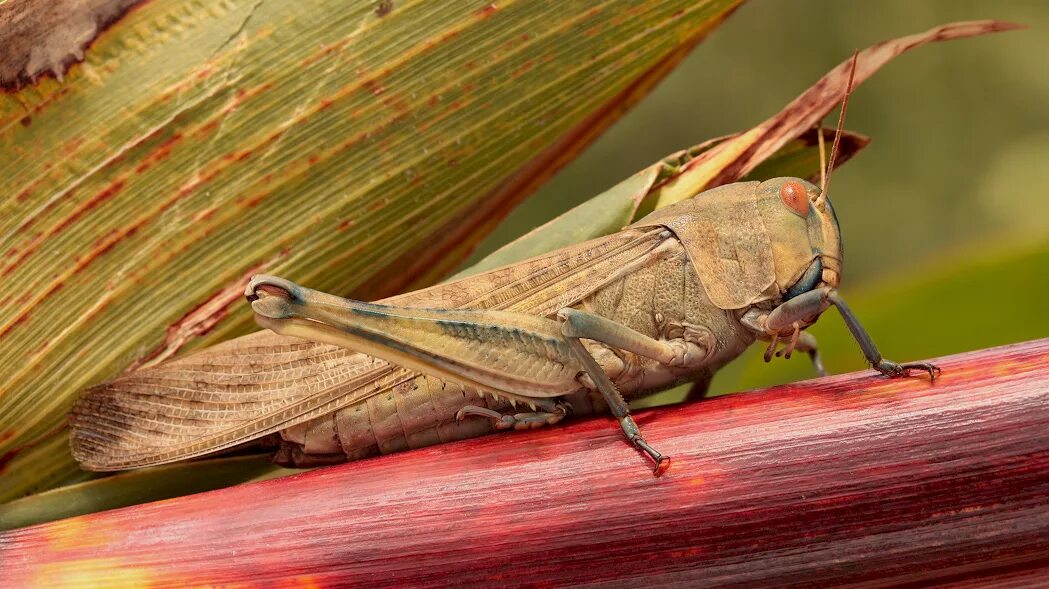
(739, 156)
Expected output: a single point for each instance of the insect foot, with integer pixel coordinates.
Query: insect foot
(894, 370)
(518, 421)
(662, 462)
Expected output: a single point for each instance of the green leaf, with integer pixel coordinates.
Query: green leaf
(138, 486)
(606, 213)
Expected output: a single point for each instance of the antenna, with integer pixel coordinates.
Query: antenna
(823, 156)
(825, 179)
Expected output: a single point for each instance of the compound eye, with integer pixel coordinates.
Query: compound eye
(792, 193)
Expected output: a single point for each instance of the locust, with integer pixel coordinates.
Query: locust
(582, 330)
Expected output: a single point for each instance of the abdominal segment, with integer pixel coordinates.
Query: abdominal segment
(414, 414)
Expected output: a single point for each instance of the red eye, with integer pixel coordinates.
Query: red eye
(792, 193)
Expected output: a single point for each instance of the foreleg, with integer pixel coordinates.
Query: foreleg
(804, 307)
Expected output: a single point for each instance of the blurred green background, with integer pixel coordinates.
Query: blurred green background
(945, 215)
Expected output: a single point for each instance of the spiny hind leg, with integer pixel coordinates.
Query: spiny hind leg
(517, 421)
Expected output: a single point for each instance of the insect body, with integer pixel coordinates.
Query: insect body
(579, 330)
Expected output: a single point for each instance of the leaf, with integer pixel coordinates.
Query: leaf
(138, 486)
(198, 144)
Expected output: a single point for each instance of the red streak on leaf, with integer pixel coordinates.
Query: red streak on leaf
(7, 457)
(207, 128)
(525, 67)
(177, 89)
(486, 11)
(325, 51)
(105, 194)
(373, 87)
(204, 215)
(158, 154)
(24, 195)
(202, 318)
(22, 318)
(70, 147)
(253, 200)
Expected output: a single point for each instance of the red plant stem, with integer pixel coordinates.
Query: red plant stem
(852, 479)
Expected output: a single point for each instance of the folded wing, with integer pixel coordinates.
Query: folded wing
(262, 383)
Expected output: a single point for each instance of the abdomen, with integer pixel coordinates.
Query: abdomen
(415, 414)
(421, 412)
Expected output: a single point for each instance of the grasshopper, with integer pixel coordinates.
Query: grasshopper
(669, 299)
